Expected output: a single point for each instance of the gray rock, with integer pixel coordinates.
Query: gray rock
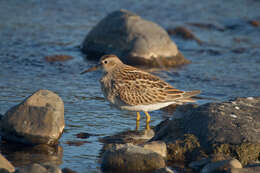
(157, 147)
(135, 40)
(164, 170)
(5, 165)
(221, 166)
(255, 169)
(196, 165)
(68, 170)
(231, 128)
(37, 168)
(131, 158)
(52, 168)
(34, 168)
(130, 136)
(39, 119)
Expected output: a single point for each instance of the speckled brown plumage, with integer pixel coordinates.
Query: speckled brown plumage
(129, 88)
(132, 86)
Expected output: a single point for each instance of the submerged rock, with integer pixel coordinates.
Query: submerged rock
(39, 119)
(185, 33)
(253, 169)
(131, 158)
(58, 58)
(221, 166)
(5, 165)
(130, 136)
(164, 170)
(37, 168)
(134, 40)
(231, 128)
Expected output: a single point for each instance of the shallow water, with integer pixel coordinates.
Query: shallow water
(226, 66)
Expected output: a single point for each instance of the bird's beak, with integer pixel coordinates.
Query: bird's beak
(91, 69)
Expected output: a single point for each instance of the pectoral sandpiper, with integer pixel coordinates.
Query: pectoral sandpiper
(132, 89)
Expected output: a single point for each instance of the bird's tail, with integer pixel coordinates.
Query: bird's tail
(187, 96)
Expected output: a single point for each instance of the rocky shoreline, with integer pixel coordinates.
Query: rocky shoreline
(213, 137)
(210, 138)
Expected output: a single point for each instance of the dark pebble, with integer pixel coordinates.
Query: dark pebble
(56, 58)
(76, 143)
(68, 170)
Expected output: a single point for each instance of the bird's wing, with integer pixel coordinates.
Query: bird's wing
(136, 87)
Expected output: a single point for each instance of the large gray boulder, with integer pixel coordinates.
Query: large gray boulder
(134, 40)
(230, 128)
(39, 119)
(5, 165)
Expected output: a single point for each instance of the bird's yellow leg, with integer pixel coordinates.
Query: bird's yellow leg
(138, 117)
(148, 118)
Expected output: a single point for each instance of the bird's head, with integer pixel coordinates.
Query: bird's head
(107, 63)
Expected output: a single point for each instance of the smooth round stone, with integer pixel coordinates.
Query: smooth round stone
(134, 40)
(39, 119)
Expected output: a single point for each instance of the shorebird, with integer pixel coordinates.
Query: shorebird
(130, 88)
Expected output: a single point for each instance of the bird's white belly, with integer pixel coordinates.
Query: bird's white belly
(146, 108)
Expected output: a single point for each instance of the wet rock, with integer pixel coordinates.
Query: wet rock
(5, 165)
(37, 168)
(185, 33)
(57, 58)
(126, 137)
(164, 170)
(156, 146)
(209, 26)
(131, 158)
(198, 164)
(52, 168)
(34, 168)
(135, 40)
(254, 23)
(130, 136)
(76, 143)
(84, 135)
(68, 170)
(251, 169)
(39, 119)
(230, 128)
(221, 166)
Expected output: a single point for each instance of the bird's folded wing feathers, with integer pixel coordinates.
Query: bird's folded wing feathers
(140, 88)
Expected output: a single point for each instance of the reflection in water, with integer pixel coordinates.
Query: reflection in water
(20, 155)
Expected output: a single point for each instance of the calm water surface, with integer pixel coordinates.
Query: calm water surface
(226, 66)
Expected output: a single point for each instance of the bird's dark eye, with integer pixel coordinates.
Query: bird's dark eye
(105, 62)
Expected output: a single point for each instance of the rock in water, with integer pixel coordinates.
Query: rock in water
(130, 158)
(231, 128)
(37, 168)
(135, 40)
(39, 119)
(5, 165)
